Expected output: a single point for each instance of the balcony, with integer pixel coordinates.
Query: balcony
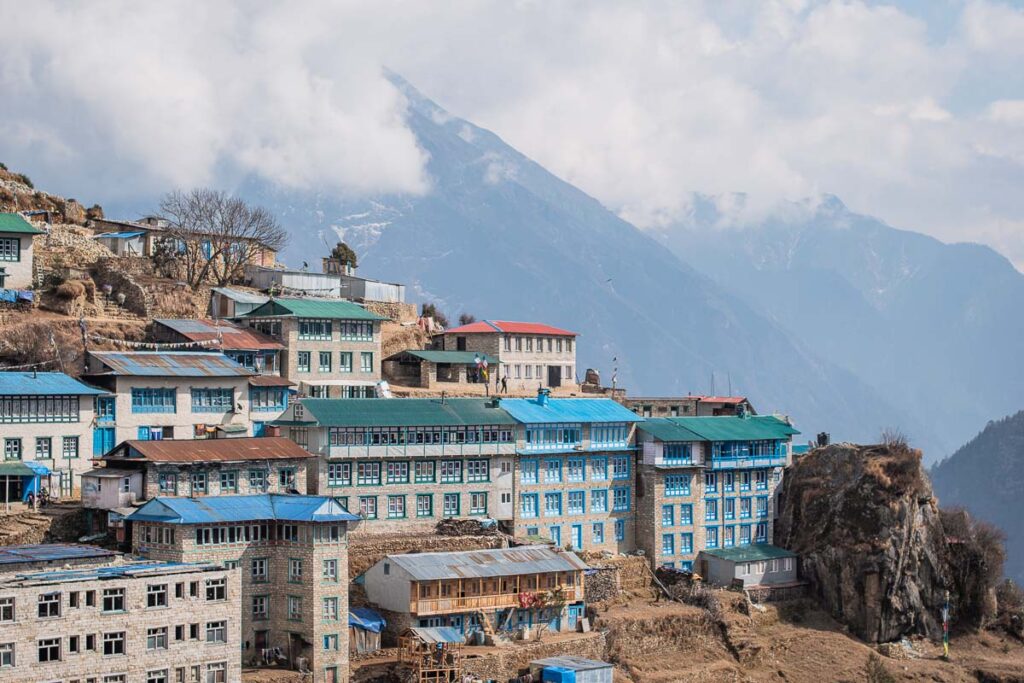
(748, 462)
(453, 605)
(452, 450)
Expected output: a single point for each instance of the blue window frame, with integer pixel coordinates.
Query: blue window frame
(677, 485)
(761, 531)
(575, 469)
(555, 534)
(711, 537)
(762, 507)
(106, 409)
(745, 508)
(711, 510)
(744, 481)
(620, 467)
(744, 534)
(685, 544)
(710, 482)
(528, 471)
(263, 399)
(685, 514)
(668, 515)
(599, 468)
(216, 400)
(597, 532)
(728, 536)
(553, 436)
(668, 544)
(620, 499)
(552, 504)
(677, 453)
(761, 480)
(729, 508)
(610, 435)
(728, 482)
(528, 505)
(553, 471)
(599, 500)
(576, 503)
(686, 565)
(620, 530)
(153, 400)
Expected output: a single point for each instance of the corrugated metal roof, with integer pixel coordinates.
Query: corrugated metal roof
(15, 222)
(432, 356)
(268, 506)
(170, 364)
(241, 297)
(509, 327)
(438, 634)
(109, 473)
(51, 552)
(336, 309)
(533, 559)
(233, 337)
(564, 410)
(750, 553)
(43, 384)
(16, 469)
(130, 570)
(118, 235)
(269, 381)
(211, 450)
(406, 412)
(734, 428)
(666, 429)
(571, 662)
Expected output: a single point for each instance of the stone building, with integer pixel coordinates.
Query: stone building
(708, 482)
(753, 566)
(140, 470)
(292, 553)
(145, 237)
(46, 418)
(511, 588)
(405, 463)
(688, 406)
(170, 395)
(431, 369)
(107, 620)
(531, 355)
(332, 346)
(574, 477)
(16, 235)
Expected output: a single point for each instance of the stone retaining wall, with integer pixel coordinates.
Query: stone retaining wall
(511, 661)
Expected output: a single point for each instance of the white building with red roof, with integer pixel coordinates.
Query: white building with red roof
(531, 355)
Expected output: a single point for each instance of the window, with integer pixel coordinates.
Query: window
(331, 642)
(325, 362)
(229, 482)
(668, 515)
(710, 482)
(160, 676)
(711, 537)
(114, 678)
(39, 409)
(620, 530)
(167, 482)
(294, 608)
(685, 543)
(711, 510)
(745, 509)
(761, 531)
(450, 505)
(762, 507)
(677, 453)
(330, 570)
(597, 532)
(424, 505)
(576, 503)
(339, 474)
(528, 504)
(49, 650)
(330, 609)
(599, 500)
(396, 507)
(744, 481)
(216, 631)
(367, 473)
(217, 672)
(6, 610)
(398, 473)
(259, 569)
(216, 590)
(574, 469)
(156, 638)
(113, 599)
(677, 485)
(43, 451)
(478, 470)
(668, 544)
(552, 504)
(310, 328)
(519, 370)
(366, 361)
(528, 471)
(451, 471)
(620, 499)
(10, 249)
(552, 471)
(358, 330)
(368, 507)
(529, 345)
(729, 508)
(761, 480)
(113, 643)
(553, 436)
(728, 482)
(345, 361)
(609, 435)
(156, 595)
(685, 514)
(744, 534)
(12, 449)
(286, 477)
(217, 400)
(728, 537)
(198, 483)
(153, 400)
(599, 468)
(478, 503)
(302, 361)
(264, 399)
(49, 605)
(260, 607)
(6, 655)
(294, 570)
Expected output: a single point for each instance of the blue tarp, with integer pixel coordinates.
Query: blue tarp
(366, 619)
(119, 235)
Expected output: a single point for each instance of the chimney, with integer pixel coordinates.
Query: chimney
(542, 396)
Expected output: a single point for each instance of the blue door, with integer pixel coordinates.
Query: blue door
(554, 620)
(575, 612)
(556, 535)
(102, 440)
(577, 536)
(455, 621)
(259, 428)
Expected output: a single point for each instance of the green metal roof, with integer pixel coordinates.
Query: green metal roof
(313, 308)
(14, 222)
(750, 553)
(721, 428)
(405, 412)
(16, 469)
(467, 357)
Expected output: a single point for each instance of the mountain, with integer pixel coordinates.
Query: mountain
(986, 476)
(499, 236)
(934, 327)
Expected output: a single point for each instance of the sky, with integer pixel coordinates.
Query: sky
(909, 111)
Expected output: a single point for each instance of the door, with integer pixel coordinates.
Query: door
(556, 535)
(554, 375)
(577, 536)
(102, 440)
(460, 343)
(259, 428)
(575, 612)
(261, 641)
(455, 621)
(554, 620)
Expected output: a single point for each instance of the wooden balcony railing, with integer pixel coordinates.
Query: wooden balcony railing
(426, 606)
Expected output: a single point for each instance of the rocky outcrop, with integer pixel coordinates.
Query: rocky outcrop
(870, 538)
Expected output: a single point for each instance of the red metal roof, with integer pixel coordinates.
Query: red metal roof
(235, 337)
(217, 450)
(720, 399)
(509, 327)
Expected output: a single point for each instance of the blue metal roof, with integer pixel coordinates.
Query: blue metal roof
(533, 411)
(119, 235)
(43, 384)
(275, 506)
(366, 619)
(170, 364)
(51, 552)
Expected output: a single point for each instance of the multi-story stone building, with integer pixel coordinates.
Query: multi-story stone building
(405, 463)
(687, 406)
(510, 588)
(574, 478)
(136, 471)
(292, 552)
(16, 235)
(105, 620)
(531, 355)
(45, 418)
(707, 483)
(332, 346)
(169, 395)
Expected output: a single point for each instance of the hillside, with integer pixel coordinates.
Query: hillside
(986, 476)
(889, 306)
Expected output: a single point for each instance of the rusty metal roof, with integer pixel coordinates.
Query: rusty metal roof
(233, 337)
(169, 364)
(475, 564)
(235, 449)
(269, 381)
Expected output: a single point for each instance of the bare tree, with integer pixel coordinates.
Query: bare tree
(467, 318)
(217, 235)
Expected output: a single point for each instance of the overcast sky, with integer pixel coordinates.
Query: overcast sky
(911, 111)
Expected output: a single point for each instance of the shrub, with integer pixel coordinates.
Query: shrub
(875, 671)
(467, 318)
(432, 311)
(72, 289)
(25, 180)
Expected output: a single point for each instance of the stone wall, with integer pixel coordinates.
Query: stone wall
(511, 661)
(394, 310)
(108, 273)
(366, 551)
